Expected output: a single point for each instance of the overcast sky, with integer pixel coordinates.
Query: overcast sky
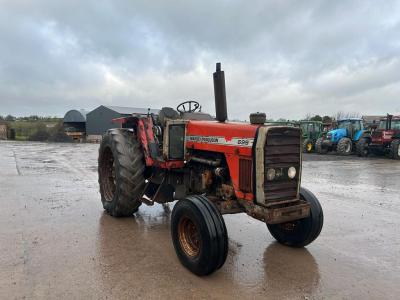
(285, 58)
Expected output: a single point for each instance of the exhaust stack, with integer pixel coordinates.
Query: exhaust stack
(389, 122)
(221, 113)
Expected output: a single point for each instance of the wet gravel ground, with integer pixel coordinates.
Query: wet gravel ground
(56, 241)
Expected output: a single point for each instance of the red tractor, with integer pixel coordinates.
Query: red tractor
(384, 140)
(212, 167)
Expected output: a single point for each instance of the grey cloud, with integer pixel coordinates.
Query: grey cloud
(287, 58)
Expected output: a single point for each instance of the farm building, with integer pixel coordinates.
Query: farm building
(75, 124)
(99, 120)
(3, 130)
(372, 122)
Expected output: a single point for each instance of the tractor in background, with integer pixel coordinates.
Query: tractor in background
(282, 123)
(344, 138)
(312, 131)
(384, 140)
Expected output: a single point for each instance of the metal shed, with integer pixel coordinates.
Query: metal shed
(99, 120)
(75, 124)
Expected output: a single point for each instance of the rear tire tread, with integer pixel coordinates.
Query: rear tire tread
(342, 145)
(394, 148)
(129, 170)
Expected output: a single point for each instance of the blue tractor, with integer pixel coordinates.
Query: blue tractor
(343, 139)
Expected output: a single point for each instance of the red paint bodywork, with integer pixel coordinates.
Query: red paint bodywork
(232, 153)
(229, 131)
(382, 136)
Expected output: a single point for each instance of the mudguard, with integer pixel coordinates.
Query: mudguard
(359, 134)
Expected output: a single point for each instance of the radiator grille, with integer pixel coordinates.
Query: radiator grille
(282, 151)
(245, 174)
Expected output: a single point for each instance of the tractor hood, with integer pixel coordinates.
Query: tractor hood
(336, 134)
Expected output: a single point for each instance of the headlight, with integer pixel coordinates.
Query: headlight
(270, 174)
(291, 172)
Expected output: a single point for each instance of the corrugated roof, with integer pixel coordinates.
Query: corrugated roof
(131, 110)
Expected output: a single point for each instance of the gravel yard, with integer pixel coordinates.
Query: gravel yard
(56, 241)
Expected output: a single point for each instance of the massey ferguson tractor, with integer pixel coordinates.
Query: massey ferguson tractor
(211, 167)
(384, 140)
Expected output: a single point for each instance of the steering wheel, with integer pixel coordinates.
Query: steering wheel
(183, 107)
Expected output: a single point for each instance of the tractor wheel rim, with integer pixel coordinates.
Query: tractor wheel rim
(189, 236)
(398, 150)
(309, 147)
(348, 148)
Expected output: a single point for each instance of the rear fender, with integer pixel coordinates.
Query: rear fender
(359, 134)
(146, 138)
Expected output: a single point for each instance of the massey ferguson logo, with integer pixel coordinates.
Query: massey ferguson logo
(243, 142)
(220, 140)
(203, 139)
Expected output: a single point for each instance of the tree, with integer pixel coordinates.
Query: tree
(10, 118)
(345, 115)
(327, 119)
(307, 117)
(316, 118)
(281, 120)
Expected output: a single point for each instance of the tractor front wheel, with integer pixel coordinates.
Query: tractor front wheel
(199, 235)
(362, 147)
(300, 233)
(308, 146)
(395, 149)
(319, 148)
(121, 172)
(344, 146)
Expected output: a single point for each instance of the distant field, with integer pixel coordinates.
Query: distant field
(25, 129)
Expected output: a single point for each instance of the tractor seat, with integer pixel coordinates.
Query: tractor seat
(197, 116)
(167, 113)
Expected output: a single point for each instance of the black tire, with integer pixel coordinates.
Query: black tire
(395, 149)
(121, 172)
(207, 250)
(362, 147)
(319, 148)
(308, 146)
(344, 146)
(301, 232)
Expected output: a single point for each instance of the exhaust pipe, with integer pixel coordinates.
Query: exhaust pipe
(389, 122)
(221, 113)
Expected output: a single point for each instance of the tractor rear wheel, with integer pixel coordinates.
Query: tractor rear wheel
(308, 146)
(300, 233)
(319, 148)
(344, 146)
(362, 147)
(199, 235)
(121, 172)
(395, 149)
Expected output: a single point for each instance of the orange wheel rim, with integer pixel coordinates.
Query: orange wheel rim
(189, 237)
